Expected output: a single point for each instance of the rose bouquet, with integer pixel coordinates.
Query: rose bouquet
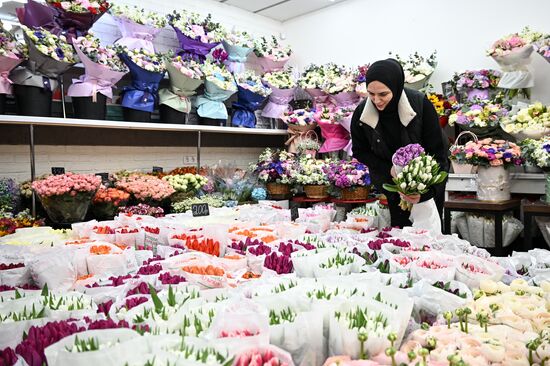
(532, 121)
(418, 69)
(67, 197)
(11, 54)
(251, 95)
(146, 188)
(107, 202)
(272, 56)
(332, 122)
(312, 80)
(147, 70)
(360, 77)
(197, 36)
(476, 83)
(186, 76)
(489, 152)
(219, 86)
(276, 167)
(238, 46)
(103, 70)
(417, 177)
(479, 116)
(138, 26)
(282, 85)
(76, 17)
(301, 123)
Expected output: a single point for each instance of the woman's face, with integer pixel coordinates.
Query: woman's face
(379, 94)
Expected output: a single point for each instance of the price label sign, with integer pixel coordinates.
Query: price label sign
(57, 170)
(157, 169)
(200, 209)
(294, 214)
(104, 178)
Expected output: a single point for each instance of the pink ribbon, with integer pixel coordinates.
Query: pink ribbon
(5, 83)
(89, 86)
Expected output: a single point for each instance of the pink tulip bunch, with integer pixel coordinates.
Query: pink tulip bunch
(69, 183)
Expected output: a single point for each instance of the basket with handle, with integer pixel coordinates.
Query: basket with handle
(463, 168)
(311, 135)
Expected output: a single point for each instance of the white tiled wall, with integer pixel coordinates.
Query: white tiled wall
(15, 159)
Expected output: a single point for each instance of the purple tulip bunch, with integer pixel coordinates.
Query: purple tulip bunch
(150, 269)
(281, 264)
(169, 279)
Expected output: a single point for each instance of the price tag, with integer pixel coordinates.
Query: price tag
(157, 169)
(104, 178)
(294, 214)
(200, 209)
(56, 170)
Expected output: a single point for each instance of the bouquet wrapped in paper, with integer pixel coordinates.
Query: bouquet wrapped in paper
(513, 54)
(527, 121)
(138, 26)
(35, 14)
(340, 85)
(542, 47)
(11, 55)
(282, 86)
(360, 78)
(49, 58)
(219, 86)
(300, 122)
(238, 46)
(311, 81)
(476, 83)
(251, 95)
(103, 69)
(196, 36)
(74, 18)
(186, 77)
(271, 55)
(336, 136)
(418, 69)
(147, 70)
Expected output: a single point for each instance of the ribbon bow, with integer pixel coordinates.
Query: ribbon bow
(142, 35)
(98, 85)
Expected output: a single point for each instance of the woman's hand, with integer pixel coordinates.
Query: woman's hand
(411, 198)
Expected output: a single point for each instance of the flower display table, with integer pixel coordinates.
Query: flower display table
(530, 210)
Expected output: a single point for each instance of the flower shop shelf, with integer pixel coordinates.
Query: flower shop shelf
(526, 183)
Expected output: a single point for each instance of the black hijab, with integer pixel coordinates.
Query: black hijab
(390, 73)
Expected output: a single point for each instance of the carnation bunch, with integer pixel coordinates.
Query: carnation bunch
(282, 79)
(146, 187)
(186, 182)
(51, 45)
(271, 48)
(69, 183)
(138, 15)
(250, 81)
(106, 56)
(111, 195)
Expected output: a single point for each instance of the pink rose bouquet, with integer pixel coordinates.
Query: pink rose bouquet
(67, 184)
(146, 187)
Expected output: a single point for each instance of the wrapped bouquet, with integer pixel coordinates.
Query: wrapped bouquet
(443, 107)
(76, 17)
(138, 26)
(186, 76)
(336, 135)
(418, 69)
(542, 47)
(301, 123)
(360, 77)
(282, 85)
(476, 83)
(251, 95)
(311, 81)
(11, 55)
(272, 56)
(532, 121)
(340, 85)
(238, 46)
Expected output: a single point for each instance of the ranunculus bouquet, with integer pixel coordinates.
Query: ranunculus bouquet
(418, 69)
(76, 17)
(301, 123)
(251, 95)
(312, 80)
(360, 77)
(107, 201)
(489, 152)
(513, 53)
(348, 174)
(138, 26)
(186, 76)
(67, 197)
(185, 185)
(272, 56)
(196, 36)
(219, 86)
(482, 117)
(11, 55)
(476, 83)
(103, 69)
(331, 121)
(238, 46)
(276, 167)
(146, 188)
(147, 70)
(532, 121)
(420, 173)
(282, 85)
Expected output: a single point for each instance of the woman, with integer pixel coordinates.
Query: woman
(392, 117)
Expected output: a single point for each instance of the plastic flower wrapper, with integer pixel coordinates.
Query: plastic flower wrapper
(238, 46)
(527, 121)
(311, 81)
(233, 183)
(275, 167)
(360, 77)
(35, 14)
(481, 117)
(513, 54)
(282, 85)
(49, 57)
(272, 56)
(76, 17)
(251, 95)
(489, 152)
(103, 69)
(347, 174)
(300, 126)
(340, 80)
(147, 70)
(417, 177)
(219, 86)
(196, 36)
(336, 136)
(11, 55)
(138, 26)
(186, 77)
(418, 69)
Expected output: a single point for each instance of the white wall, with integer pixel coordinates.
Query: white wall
(361, 31)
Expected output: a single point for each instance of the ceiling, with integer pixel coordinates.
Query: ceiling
(281, 10)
